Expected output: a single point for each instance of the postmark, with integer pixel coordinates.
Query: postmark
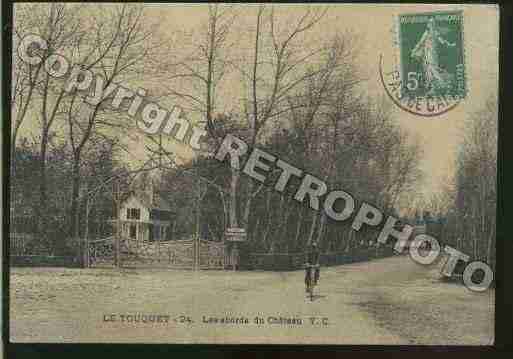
(428, 76)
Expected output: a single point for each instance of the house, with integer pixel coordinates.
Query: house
(146, 216)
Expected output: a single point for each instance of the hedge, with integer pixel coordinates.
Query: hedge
(44, 261)
(294, 261)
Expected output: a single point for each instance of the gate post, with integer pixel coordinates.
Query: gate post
(235, 256)
(235, 235)
(197, 254)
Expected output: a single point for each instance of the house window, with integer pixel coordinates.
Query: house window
(133, 231)
(133, 213)
(160, 215)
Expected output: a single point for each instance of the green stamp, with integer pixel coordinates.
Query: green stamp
(432, 57)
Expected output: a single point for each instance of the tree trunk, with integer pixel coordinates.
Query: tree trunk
(475, 231)
(349, 240)
(321, 228)
(41, 213)
(225, 211)
(483, 209)
(233, 198)
(489, 249)
(276, 233)
(268, 210)
(283, 227)
(298, 226)
(247, 208)
(312, 228)
(13, 146)
(255, 231)
(75, 218)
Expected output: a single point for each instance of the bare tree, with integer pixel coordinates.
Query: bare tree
(210, 61)
(117, 45)
(57, 24)
(467, 203)
(278, 70)
(311, 89)
(114, 44)
(476, 178)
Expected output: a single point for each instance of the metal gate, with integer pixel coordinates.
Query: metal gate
(179, 254)
(210, 255)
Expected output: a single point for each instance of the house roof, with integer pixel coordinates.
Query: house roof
(158, 202)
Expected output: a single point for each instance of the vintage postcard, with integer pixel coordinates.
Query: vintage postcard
(253, 173)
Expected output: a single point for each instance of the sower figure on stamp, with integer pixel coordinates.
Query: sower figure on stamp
(427, 52)
(312, 260)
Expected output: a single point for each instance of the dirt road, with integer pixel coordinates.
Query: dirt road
(386, 301)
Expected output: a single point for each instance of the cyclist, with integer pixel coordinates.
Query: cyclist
(312, 261)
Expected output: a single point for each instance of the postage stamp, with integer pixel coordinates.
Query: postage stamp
(430, 77)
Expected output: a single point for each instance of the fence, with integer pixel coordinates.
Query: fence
(178, 254)
(294, 261)
(26, 251)
(19, 243)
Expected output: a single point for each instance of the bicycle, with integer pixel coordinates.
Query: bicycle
(310, 283)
